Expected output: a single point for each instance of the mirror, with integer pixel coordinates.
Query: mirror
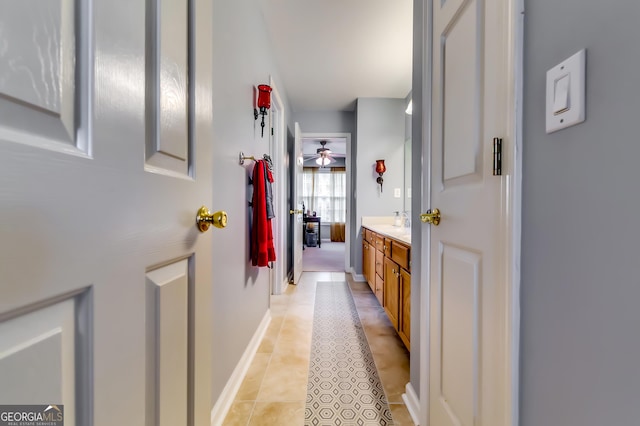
(407, 176)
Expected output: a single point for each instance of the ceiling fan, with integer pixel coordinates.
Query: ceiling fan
(324, 157)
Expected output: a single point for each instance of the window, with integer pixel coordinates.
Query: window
(325, 193)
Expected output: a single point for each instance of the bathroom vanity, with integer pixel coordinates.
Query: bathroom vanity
(386, 265)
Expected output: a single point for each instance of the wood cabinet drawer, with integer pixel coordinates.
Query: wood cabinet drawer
(366, 234)
(380, 263)
(379, 242)
(401, 254)
(387, 247)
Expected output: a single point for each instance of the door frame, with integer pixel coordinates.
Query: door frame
(513, 217)
(278, 279)
(347, 164)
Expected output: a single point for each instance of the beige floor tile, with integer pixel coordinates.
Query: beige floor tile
(300, 311)
(286, 377)
(294, 337)
(271, 335)
(253, 379)
(401, 416)
(278, 413)
(283, 386)
(239, 414)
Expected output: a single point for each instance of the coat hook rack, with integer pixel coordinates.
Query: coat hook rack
(243, 157)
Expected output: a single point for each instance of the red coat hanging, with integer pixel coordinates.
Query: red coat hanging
(262, 250)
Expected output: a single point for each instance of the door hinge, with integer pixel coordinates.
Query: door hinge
(497, 156)
(272, 131)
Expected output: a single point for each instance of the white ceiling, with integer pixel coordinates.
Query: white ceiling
(331, 52)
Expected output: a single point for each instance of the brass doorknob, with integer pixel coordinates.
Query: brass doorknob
(431, 217)
(205, 219)
(295, 212)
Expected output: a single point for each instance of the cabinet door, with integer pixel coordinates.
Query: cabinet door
(391, 290)
(379, 265)
(379, 289)
(404, 329)
(365, 261)
(371, 252)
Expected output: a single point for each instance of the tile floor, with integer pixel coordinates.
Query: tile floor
(275, 387)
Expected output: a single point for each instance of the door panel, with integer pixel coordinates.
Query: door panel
(458, 316)
(38, 354)
(461, 92)
(167, 88)
(168, 329)
(467, 367)
(38, 78)
(91, 224)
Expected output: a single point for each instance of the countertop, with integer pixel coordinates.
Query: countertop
(384, 225)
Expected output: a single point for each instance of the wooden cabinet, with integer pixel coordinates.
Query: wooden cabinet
(366, 261)
(401, 254)
(379, 291)
(404, 327)
(386, 264)
(392, 291)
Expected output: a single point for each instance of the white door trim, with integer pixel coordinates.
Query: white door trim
(513, 168)
(277, 121)
(347, 163)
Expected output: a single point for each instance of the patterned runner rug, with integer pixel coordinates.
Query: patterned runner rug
(344, 387)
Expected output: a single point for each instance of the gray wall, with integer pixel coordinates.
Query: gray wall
(326, 121)
(580, 346)
(380, 124)
(242, 59)
(420, 97)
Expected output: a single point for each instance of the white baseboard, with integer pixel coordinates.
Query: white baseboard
(358, 277)
(412, 403)
(223, 404)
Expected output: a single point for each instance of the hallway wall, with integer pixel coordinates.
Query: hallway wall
(242, 59)
(580, 236)
(380, 123)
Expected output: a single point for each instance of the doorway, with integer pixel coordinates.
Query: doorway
(326, 194)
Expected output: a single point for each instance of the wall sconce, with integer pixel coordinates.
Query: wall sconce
(264, 103)
(380, 169)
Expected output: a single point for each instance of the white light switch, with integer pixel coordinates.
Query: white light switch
(561, 95)
(565, 93)
(397, 192)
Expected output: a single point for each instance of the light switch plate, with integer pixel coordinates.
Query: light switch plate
(574, 67)
(397, 192)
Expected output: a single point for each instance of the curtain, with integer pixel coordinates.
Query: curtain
(324, 191)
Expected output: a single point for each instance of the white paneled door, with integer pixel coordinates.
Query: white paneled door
(105, 159)
(296, 207)
(468, 361)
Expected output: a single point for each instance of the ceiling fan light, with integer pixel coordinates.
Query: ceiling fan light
(323, 161)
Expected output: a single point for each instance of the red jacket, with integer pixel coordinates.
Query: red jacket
(262, 250)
